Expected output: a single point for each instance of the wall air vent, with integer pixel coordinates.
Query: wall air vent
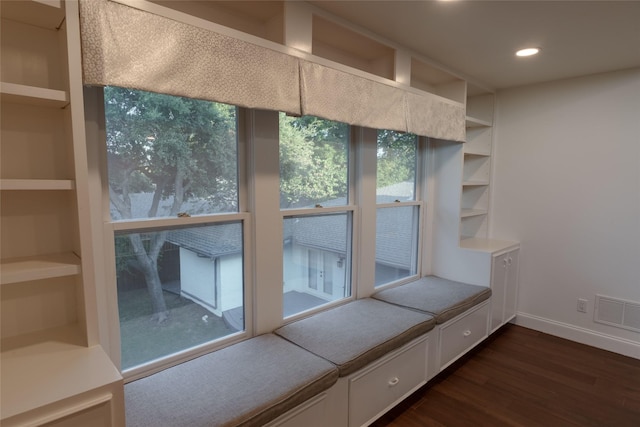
(617, 312)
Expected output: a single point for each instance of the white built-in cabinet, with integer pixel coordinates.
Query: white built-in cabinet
(53, 372)
(504, 287)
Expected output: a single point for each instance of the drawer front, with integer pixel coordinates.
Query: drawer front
(373, 390)
(463, 333)
(309, 414)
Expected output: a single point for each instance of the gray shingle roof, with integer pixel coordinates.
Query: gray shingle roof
(209, 241)
(325, 232)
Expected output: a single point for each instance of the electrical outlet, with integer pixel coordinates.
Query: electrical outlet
(582, 305)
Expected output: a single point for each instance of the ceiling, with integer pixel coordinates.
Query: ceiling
(478, 38)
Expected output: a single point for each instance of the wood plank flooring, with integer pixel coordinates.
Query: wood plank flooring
(521, 377)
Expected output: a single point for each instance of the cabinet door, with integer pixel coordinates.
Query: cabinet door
(511, 286)
(498, 291)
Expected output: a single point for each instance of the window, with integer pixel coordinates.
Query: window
(176, 221)
(317, 217)
(398, 211)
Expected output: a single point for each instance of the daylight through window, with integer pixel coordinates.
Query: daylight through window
(398, 212)
(179, 275)
(317, 219)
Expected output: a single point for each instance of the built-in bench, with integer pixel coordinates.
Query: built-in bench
(442, 298)
(355, 334)
(351, 351)
(247, 384)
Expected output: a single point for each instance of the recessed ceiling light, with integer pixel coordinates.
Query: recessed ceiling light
(528, 51)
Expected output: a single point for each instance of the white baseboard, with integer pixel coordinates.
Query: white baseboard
(584, 336)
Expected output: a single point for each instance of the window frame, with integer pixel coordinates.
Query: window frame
(111, 227)
(420, 198)
(352, 229)
(262, 218)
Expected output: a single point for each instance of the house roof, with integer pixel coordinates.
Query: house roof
(210, 241)
(323, 231)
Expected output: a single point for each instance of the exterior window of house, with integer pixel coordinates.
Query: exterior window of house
(177, 227)
(317, 216)
(398, 210)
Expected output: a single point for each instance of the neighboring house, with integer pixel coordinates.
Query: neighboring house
(315, 251)
(211, 268)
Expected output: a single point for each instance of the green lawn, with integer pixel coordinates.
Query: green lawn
(144, 340)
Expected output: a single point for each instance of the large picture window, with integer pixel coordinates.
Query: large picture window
(172, 169)
(317, 218)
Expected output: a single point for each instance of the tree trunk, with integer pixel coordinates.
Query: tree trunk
(149, 267)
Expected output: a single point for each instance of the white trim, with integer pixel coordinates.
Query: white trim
(287, 213)
(400, 203)
(581, 335)
(165, 222)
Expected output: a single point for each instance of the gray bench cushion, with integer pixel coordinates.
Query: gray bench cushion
(357, 333)
(246, 384)
(442, 298)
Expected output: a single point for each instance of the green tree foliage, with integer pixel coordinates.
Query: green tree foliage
(178, 149)
(313, 160)
(396, 157)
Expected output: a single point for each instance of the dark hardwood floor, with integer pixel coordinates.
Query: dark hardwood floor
(520, 377)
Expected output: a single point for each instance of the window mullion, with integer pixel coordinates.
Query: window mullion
(366, 199)
(267, 221)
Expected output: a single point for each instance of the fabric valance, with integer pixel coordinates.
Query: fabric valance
(344, 97)
(128, 47)
(124, 46)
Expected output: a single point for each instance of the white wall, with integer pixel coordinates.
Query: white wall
(567, 186)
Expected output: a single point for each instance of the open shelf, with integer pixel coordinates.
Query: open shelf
(473, 226)
(41, 13)
(466, 213)
(37, 184)
(264, 19)
(434, 80)
(31, 95)
(474, 183)
(476, 154)
(24, 269)
(337, 43)
(480, 108)
(50, 370)
(472, 122)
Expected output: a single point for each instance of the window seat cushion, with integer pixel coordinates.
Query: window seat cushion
(247, 384)
(442, 298)
(357, 333)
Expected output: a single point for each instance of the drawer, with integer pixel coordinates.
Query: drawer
(376, 388)
(461, 334)
(309, 414)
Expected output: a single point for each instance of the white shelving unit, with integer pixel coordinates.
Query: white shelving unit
(476, 168)
(52, 366)
(463, 248)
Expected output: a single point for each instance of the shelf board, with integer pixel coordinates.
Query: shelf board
(52, 368)
(24, 269)
(33, 95)
(37, 184)
(41, 13)
(473, 122)
(474, 183)
(466, 213)
(486, 245)
(477, 154)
